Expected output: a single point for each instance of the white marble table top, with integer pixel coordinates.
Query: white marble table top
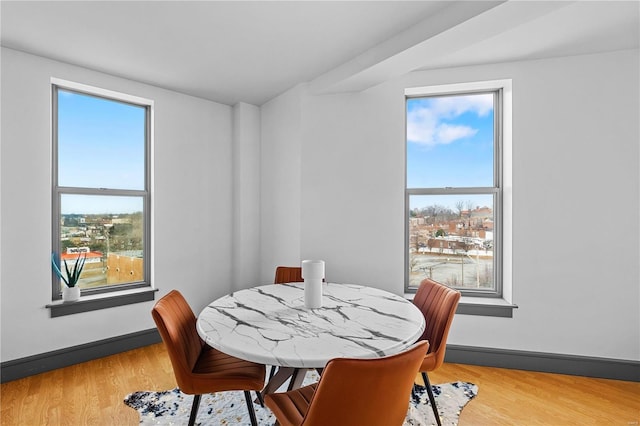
(270, 324)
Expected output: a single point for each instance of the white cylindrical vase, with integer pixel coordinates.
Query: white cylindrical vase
(313, 274)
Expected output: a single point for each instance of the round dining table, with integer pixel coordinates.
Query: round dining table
(270, 325)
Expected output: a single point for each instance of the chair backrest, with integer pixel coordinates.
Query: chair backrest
(438, 304)
(373, 392)
(288, 274)
(176, 323)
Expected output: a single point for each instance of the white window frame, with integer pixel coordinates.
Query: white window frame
(123, 293)
(504, 291)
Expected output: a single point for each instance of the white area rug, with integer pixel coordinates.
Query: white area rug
(172, 407)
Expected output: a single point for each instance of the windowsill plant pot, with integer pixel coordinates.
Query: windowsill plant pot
(70, 290)
(70, 294)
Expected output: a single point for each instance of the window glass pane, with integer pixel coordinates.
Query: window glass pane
(110, 230)
(450, 141)
(101, 142)
(451, 240)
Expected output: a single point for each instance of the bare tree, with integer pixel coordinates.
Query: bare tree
(469, 207)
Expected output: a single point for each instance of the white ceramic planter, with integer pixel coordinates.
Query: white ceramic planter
(70, 294)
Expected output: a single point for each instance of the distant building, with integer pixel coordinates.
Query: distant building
(72, 255)
(120, 220)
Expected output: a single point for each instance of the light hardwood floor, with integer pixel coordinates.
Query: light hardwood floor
(91, 394)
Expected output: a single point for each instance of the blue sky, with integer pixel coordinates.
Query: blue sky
(100, 145)
(450, 144)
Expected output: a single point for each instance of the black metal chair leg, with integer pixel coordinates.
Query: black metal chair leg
(432, 399)
(295, 377)
(252, 413)
(194, 409)
(260, 398)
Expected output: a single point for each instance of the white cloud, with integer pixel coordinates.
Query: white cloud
(448, 133)
(428, 126)
(421, 126)
(454, 106)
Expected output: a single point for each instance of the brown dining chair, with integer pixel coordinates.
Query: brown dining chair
(199, 368)
(353, 392)
(288, 274)
(438, 304)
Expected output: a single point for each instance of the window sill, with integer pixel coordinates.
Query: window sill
(101, 301)
(483, 306)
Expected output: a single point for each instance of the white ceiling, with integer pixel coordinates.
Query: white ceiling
(251, 51)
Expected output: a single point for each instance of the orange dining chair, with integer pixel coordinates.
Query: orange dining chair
(199, 368)
(288, 274)
(353, 392)
(438, 304)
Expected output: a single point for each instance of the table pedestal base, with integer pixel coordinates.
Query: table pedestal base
(282, 375)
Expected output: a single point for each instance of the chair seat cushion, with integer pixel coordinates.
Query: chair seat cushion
(227, 372)
(429, 363)
(291, 407)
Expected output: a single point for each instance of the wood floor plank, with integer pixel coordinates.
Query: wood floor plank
(91, 393)
(516, 397)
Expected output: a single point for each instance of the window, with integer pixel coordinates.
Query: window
(454, 187)
(101, 180)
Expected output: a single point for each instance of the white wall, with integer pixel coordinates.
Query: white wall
(575, 204)
(280, 185)
(191, 198)
(246, 195)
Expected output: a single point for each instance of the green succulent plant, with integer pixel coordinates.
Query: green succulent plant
(72, 275)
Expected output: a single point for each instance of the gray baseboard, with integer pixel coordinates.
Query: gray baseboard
(23, 367)
(501, 358)
(606, 368)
